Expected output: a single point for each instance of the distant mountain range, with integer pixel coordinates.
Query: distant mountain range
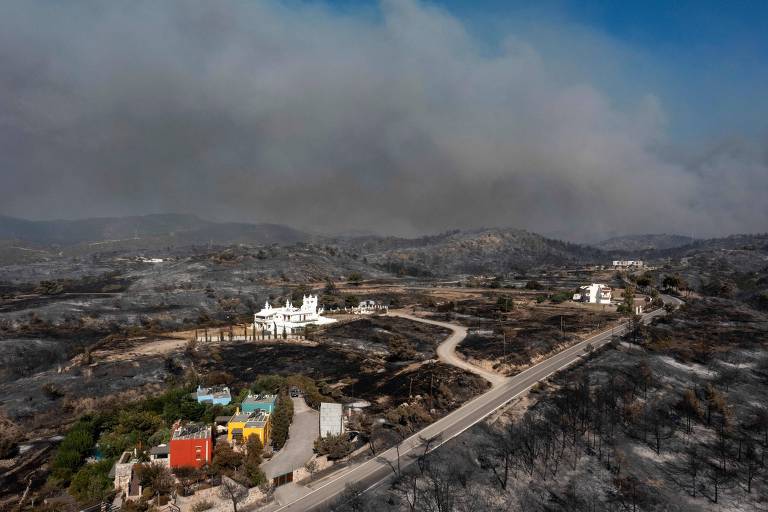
(175, 229)
(481, 251)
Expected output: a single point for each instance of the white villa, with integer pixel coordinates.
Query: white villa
(289, 318)
(594, 294)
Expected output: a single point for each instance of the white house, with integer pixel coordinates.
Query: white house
(368, 307)
(289, 318)
(331, 419)
(594, 293)
(628, 263)
(150, 260)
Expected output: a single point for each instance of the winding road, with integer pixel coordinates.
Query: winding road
(446, 351)
(373, 472)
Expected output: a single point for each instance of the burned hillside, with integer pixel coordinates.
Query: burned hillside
(398, 339)
(633, 427)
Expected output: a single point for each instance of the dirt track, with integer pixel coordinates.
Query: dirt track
(446, 351)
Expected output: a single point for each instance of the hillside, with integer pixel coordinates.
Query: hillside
(168, 229)
(647, 242)
(473, 252)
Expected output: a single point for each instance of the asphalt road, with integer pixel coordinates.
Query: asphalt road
(299, 447)
(371, 473)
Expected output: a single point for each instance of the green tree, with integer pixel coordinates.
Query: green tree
(281, 420)
(77, 444)
(645, 280)
(251, 468)
(672, 282)
(226, 461)
(112, 444)
(253, 450)
(330, 287)
(92, 483)
(157, 477)
(142, 422)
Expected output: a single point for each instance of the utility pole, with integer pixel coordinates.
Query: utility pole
(503, 339)
(431, 396)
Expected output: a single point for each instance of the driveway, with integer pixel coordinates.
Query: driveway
(301, 441)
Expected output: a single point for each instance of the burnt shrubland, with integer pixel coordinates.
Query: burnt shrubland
(634, 427)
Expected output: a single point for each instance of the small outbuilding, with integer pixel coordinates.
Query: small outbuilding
(331, 419)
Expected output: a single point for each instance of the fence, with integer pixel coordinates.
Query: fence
(240, 334)
(101, 507)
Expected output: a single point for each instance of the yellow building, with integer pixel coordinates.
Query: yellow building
(246, 424)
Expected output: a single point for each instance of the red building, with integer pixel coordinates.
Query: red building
(191, 445)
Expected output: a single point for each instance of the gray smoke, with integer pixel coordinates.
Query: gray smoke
(400, 123)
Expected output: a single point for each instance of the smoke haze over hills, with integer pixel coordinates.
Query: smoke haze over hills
(399, 121)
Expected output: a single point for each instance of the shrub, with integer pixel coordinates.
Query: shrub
(8, 447)
(92, 483)
(201, 506)
(335, 447)
(408, 417)
(505, 303)
(401, 349)
(268, 384)
(560, 297)
(254, 476)
(218, 378)
(52, 391)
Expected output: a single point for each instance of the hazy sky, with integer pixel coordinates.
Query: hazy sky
(571, 118)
